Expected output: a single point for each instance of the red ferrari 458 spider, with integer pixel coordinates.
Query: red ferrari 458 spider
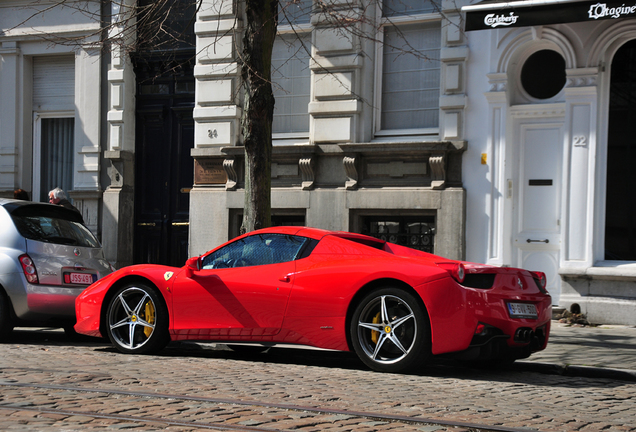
(394, 306)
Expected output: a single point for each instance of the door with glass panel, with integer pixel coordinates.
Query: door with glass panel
(164, 169)
(53, 155)
(53, 102)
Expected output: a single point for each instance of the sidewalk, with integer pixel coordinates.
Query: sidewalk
(603, 352)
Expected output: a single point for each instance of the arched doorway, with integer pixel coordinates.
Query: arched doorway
(620, 206)
(536, 156)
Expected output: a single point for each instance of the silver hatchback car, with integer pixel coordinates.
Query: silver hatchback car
(47, 258)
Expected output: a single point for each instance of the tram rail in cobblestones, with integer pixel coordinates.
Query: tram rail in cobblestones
(315, 415)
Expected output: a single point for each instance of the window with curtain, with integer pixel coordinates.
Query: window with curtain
(57, 155)
(291, 83)
(410, 83)
(53, 134)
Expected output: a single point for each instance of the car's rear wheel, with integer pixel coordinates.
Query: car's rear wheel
(390, 331)
(5, 319)
(137, 320)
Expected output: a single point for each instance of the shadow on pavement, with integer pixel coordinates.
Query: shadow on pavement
(523, 372)
(50, 335)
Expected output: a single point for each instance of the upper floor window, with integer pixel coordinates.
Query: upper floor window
(293, 12)
(291, 76)
(409, 69)
(394, 8)
(291, 85)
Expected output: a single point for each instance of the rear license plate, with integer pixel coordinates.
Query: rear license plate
(522, 310)
(81, 278)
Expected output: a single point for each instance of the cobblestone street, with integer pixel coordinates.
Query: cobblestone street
(47, 383)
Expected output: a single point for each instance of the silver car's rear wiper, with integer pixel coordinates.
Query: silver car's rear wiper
(61, 240)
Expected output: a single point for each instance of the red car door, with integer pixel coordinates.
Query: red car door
(235, 303)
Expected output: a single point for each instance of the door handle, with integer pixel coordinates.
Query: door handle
(146, 224)
(180, 223)
(546, 241)
(286, 278)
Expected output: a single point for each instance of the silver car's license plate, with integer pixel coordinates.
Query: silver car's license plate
(522, 310)
(81, 278)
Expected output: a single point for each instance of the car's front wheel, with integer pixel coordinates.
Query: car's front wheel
(390, 331)
(137, 320)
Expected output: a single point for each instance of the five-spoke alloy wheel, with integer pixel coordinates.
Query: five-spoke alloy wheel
(390, 331)
(137, 320)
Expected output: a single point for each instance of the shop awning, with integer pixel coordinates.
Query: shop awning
(492, 14)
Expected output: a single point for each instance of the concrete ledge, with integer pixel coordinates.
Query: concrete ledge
(605, 310)
(608, 270)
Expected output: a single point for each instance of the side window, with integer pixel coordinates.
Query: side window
(256, 250)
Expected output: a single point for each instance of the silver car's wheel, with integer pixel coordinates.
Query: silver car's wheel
(137, 320)
(390, 332)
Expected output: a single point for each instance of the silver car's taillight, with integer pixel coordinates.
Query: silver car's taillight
(28, 267)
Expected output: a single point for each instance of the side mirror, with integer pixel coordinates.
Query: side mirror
(192, 265)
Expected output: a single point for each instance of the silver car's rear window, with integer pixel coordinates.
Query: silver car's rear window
(51, 229)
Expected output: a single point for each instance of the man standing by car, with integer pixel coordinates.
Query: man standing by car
(58, 197)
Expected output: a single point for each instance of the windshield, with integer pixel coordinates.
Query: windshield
(54, 230)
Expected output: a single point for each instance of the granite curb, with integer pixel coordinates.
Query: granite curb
(577, 371)
(591, 351)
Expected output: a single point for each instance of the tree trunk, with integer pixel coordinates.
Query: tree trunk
(261, 21)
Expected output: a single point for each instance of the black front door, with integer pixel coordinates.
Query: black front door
(163, 165)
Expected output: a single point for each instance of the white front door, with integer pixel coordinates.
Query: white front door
(537, 205)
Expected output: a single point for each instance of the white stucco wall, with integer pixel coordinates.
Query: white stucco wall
(495, 106)
(477, 176)
(26, 33)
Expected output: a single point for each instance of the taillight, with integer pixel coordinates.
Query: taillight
(541, 281)
(456, 269)
(28, 267)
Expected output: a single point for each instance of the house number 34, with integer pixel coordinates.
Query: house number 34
(580, 140)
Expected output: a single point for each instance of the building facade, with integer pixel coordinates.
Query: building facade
(506, 142)
(548, 166)
(50, 103)
(367, 137)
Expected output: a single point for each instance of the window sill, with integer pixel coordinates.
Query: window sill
(606, 270)
(410, 134)
(290, 139)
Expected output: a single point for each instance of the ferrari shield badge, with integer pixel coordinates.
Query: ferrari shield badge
(167, 275)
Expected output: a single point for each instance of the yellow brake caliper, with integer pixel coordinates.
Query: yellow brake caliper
(375, 334)
(150, 317)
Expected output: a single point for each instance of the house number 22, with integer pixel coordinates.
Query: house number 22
(580, 141)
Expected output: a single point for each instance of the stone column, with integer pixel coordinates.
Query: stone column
(579, 168)
(118, 200)
(9, 120)
(498, 200)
